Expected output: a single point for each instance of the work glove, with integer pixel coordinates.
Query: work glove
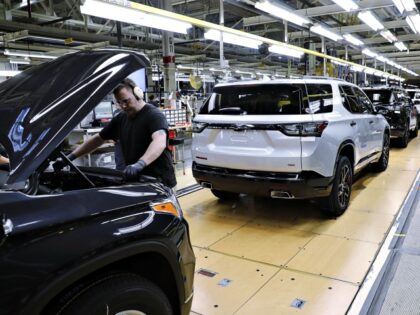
(132, 171)
(59, 163)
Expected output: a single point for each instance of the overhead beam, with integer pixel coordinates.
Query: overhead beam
(319, 11)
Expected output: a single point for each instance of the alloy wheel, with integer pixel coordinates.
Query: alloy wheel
(344, 186)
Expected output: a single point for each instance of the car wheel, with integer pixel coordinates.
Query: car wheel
(414, 133)
(382, 164)
(224, 195)
(338, 201)
(120, 294)
(403, 141)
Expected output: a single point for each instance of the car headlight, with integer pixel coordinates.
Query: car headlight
(169, 205)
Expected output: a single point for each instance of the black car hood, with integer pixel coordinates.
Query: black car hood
(39, 107)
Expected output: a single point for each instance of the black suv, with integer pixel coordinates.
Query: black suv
(398, 109)
(82, 240)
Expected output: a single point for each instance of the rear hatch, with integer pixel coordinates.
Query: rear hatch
(252, 126)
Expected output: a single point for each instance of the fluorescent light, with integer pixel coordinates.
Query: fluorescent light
(370, 20)
(357, 68)
(369, 53)
(389, 36)
(353, 40)
(347, 5)
(20, 61)
(285, 51)
(325, 32)
(414, 22)
(400, 46)
(405, 5)
(21, 53)
(281, 12)
(128, 14)
(370, 70)
(9, 73)
(233, 39)
(381, 58)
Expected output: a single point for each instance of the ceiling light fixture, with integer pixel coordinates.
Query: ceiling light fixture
(353, 40)
(400, 46)
(281, 12)
(281, 50)
(414, 22)
(128, 14)
(347, 5)
(405, 5)
(389, 36)
(20, 53)
(370, 20)
(20, 61)
(369, 53)
(325, 32)
(233, 39)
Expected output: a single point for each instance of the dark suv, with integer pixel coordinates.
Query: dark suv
(397, 107)
(82, 240)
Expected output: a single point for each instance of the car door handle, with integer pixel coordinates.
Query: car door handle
(371, 122)
(353, 123)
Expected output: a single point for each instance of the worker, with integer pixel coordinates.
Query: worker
(142, 131)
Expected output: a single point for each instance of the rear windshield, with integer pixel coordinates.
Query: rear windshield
(261, 99)
(379, 96)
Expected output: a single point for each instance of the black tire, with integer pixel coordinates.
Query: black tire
(403, 141)
(224, 195)
(338, 201)
(115, 294)
(414, 133)
(382, 164)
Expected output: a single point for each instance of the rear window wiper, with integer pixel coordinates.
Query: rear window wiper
(232, 111)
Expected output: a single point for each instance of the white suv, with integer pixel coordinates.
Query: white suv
(289, 138)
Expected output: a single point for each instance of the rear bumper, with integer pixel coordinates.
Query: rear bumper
(294, 185)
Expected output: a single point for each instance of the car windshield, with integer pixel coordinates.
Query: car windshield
(379, 96)
(257, 99)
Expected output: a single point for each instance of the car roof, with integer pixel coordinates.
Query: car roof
(306, 80)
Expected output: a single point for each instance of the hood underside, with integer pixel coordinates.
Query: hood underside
(39, 107)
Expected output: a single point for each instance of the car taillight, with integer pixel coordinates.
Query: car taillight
(198, 127)
(309, 129)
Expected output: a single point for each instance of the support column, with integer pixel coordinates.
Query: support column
(168, 56)
(222, 23)
(286, 40)
(324, 63)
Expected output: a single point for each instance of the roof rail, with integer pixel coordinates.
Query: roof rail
(321, 77)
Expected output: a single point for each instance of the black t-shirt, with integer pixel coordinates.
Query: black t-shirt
(135, 136)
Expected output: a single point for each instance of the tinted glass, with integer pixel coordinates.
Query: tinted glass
(411, 94)
(379, 96)
(349, 99)
(320, 98)
(261, 99)
(365, 105)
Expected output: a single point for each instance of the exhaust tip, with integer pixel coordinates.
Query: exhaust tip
(281, 194)
(206, 185)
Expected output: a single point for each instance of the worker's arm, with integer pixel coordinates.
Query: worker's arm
(154, 150)
(88, 146)
(156, 147)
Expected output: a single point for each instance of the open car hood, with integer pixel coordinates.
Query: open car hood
(39, 107)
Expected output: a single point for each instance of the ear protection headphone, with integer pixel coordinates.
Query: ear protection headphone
(137, 92)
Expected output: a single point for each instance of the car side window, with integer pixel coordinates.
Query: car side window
(364, 103)
(349, 99)
(320, 98)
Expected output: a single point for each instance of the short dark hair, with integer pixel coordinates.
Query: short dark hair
(151, 97)
(125, 84)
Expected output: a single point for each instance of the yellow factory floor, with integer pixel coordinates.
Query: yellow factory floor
(264, 256)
